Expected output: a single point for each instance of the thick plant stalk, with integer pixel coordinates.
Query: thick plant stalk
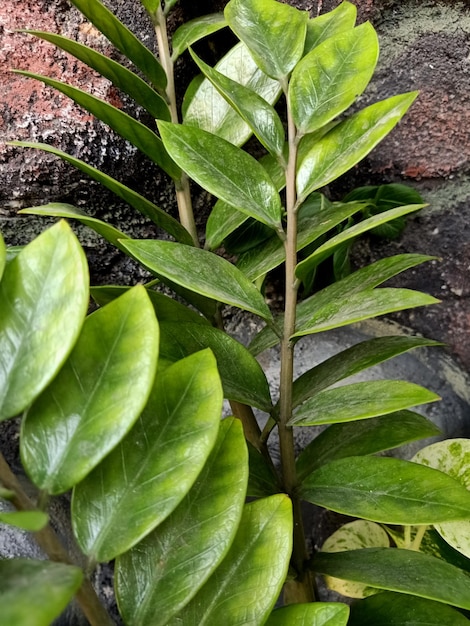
(52, 546)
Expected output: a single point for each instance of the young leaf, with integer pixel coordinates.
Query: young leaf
(260, 116)
(320, 28)
(359, 401)
(124, 40)
(397, 609)
(313, 614)
(191, 542)
(96, 397)
(134, 131)
(387, 490)
(242, 377)
(194, 30)
(225, 171)
(257, 559)
(405, 571)
(120, 76)
(44, 296)
(148, 474)
(35, 592)
(199, 271)
(32, 521)
(349, 142)
(273, 32)
(363, 437)
(329, 79)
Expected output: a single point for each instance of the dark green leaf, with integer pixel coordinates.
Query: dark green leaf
(44, 296)
(405, 571)
(26, 520)
(139, 135)
(313, 614)
(341, 19)
(225, 171)
(35, 592)
(349, 142)
(191, 542)
(263, 480)
(364, 437)
(124, 40)
(148, 474)
(194, 30)
(97, 395)
(242, 377)
(387, 490)
(273, 32)
(329, 79)
(199, 271)
(341, 261)
(434, 545)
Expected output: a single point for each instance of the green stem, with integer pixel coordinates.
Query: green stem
(183, 193)
(52, 546)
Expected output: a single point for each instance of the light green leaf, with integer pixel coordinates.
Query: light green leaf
(451, 456)
(148, 474)
(120, 76)
(328, 80)
(35, 592)
(191, 542)
(359, 401)
(26, 520)
(387, 490)
(273, 32)
(363, 437)
(44, 296)
(194, 30)
(209, 111)
(3, 255)
(147, 208)
(225, 171)
(169, 4)
(320, 28)
(124, 40)
(242, 377)
(96, 397)
(353, 536)
(257, 113)
(134, 131)
(406, 571)
(313, 614)
(397, 609)
(151, 6)
(200, 271)
(349, 142)
(257, 559)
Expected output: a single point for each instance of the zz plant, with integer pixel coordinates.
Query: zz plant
(123, 406)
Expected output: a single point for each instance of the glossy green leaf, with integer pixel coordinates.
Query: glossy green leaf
(387, 490)
(405, 571)
(148, 474)
(35, 592)
(273, 32)
(308, 265)
(313, 614)
(263, 480)
(359, 401)
(147, 208)
(396, 609)
(328, 80)
(194, 30)
(200, 271)
(126, 126)
(120, 76)
(320, 28)
(260, 116)
(242, 377)
(349, 142)
(124, 40)
(191, 542)
(44, 296)
(225, 171)
(209, 111)
(257, 560)
(3, 256)
(451, 456)
(363, 437)
(26, 520)
(434, 545)
(96, 397)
